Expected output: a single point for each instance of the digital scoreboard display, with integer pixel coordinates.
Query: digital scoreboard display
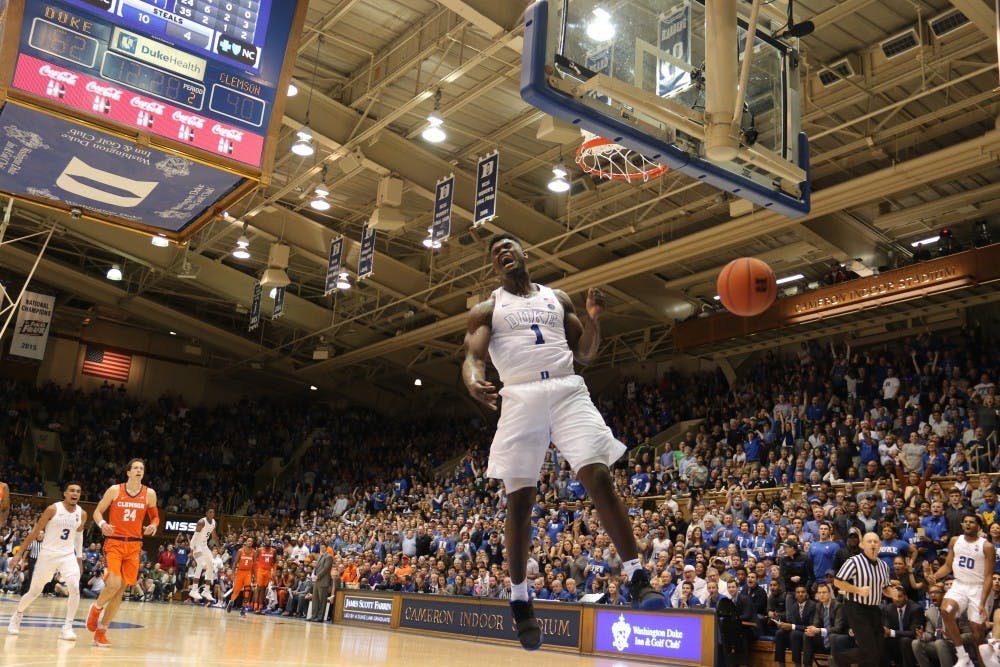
(202, 73)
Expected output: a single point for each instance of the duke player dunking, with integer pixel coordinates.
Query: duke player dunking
(532, 334)
(970, 558)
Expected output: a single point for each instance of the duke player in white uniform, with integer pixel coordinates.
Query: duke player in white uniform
(203, 558)
(532, 335)
(62, 551)
(970, 558)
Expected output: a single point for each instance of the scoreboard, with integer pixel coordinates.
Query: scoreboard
(199, 79)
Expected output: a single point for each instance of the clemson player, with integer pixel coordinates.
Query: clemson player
(127, 506)
(245, 559)
(266, 562)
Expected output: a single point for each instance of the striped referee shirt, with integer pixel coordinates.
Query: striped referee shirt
(861, 571)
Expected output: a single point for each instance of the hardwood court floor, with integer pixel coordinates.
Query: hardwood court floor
(176, 633)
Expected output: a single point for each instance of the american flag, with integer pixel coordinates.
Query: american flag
(105, 364)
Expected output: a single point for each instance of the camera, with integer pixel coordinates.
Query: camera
(75, 213)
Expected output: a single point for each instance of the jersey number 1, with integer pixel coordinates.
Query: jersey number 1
(538, 335)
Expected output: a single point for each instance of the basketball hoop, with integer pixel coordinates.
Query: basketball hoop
(604, 158)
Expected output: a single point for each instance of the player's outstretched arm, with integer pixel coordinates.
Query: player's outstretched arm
(43, 520)
(102, 507)
(583, 334)
(4, 504)
(477, 348)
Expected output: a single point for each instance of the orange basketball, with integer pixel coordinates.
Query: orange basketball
(747, 287)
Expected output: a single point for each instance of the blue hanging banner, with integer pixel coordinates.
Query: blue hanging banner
(675, 41)
(366, 263)
(487, 173)
(333, 268)
(255, 307)
(279, 303)
(444, 195)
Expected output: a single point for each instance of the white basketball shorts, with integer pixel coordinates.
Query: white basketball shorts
(968, 595)
(47, 565)
(558, 410)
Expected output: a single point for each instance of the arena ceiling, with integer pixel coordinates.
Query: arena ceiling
(900, 148)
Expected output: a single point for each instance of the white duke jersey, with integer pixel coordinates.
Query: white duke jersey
(528, 339)
(199, 541)
(967, 564)
(59, 539)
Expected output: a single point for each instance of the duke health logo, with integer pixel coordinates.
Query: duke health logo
(621, 630)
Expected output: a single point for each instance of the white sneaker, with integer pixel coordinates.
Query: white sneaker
(14, 627)
(194, 594)
(67, 634)
(206, 594)
(964, 661)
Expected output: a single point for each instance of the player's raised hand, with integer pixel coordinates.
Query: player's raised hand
(595, 303)
(484, 392)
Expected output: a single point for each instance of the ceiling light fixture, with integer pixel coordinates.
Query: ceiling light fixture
(115, 273)
(343, 281)
(434, 132)
(789, 279)
(319, 200)
(313, 387)
(418, 383)
(293, 90)
(159, 240)
(600, 28)
(242, 244)
(173, 333)
(928, 241)
(303, 145)
(559, 182)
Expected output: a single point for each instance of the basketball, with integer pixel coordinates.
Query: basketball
(747, 286)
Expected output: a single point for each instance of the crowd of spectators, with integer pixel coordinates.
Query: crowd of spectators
(795, 458)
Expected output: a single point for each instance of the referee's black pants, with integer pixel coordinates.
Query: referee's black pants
(866, 621)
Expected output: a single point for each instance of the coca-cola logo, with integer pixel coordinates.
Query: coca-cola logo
(104, 91)
(228, 132)
(148, 106)
(188, 119)
(59, 75)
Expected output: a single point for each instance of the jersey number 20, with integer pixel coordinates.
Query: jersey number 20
(967, 562)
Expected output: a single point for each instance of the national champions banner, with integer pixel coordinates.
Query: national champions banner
(279, 303)
(675, 42)
(31, 331)
(366, 262)
(255, 307)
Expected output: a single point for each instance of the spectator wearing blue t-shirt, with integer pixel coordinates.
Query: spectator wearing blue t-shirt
(639, 483)
(892, 546)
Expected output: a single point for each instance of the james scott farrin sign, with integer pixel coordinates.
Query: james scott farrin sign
(660, 636)
(46, 158)
(365, 609)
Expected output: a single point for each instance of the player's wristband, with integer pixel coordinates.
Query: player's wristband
(154, 516)
(102, 524)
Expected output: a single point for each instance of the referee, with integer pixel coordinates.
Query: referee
(864, 579)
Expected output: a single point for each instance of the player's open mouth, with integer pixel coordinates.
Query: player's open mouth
(507, 261)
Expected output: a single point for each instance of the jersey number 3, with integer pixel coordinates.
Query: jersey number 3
(967, 562)
(538, 335)
(65, 534)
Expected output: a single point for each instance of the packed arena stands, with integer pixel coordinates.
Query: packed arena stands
(791, 460)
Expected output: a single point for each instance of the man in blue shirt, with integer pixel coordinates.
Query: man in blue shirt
(892, 547)
(990, 509)
(822, 552)
(639, 483)
(936, 530)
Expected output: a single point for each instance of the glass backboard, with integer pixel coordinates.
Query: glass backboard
(634, 72)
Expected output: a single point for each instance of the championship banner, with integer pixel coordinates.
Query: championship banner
(444, 194)
(366, 263)
(279, 303)
(333, 268)
(255, 307)
(675, 41)
(31, 332)
(488, 172)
